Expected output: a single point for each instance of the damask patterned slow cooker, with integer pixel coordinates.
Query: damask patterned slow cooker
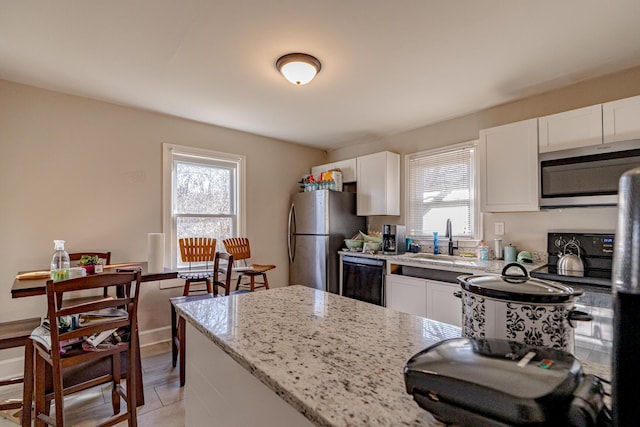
(519, 308)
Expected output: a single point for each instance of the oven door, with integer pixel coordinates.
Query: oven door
(594, 340)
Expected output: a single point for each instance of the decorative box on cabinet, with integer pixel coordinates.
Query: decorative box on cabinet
(378, 184)
(509, 167)
(621, 119)
(347, 167)
(317, 170)
(570, 129)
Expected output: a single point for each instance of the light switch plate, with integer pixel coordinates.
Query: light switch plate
(499, 228)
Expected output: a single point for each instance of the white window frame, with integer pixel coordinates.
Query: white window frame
(169, 153)
(476, 222)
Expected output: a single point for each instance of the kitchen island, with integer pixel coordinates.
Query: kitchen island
(337, 361)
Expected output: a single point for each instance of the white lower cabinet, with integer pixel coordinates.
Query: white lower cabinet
(442, 305)
(406, 294)
(422, 297)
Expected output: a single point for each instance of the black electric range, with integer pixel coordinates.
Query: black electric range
(596, 251)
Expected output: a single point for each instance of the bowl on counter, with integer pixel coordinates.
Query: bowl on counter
(353, 243)
(371, 247)
(368, 238)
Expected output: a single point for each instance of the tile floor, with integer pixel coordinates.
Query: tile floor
(163, 395)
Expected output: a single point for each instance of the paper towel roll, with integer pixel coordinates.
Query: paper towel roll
(155, 244)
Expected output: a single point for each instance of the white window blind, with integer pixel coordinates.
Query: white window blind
(440, 186)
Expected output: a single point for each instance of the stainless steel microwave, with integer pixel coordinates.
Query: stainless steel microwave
(586, 176)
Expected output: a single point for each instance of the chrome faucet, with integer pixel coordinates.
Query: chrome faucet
(449, 235)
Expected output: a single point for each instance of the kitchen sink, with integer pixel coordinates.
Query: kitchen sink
(433, 256)
(445, 259)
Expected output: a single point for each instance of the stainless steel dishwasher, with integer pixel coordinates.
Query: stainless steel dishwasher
(363, 279)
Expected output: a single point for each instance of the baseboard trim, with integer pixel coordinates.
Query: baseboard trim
(155, 336)
(12, 368)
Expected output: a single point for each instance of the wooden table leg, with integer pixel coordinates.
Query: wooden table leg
(139, 384)
(27, 390)
(174, 330)
(182, 332)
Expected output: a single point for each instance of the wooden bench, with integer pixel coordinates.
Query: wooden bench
(14, 334)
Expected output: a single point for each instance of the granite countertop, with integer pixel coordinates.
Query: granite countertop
(336, 360)
(444, 261)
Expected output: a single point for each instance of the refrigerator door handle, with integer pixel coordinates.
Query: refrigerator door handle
(290, 236)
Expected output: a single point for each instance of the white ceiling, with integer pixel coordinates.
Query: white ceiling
(387, 66)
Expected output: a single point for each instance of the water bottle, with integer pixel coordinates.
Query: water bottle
(436, 247)
(60, 262)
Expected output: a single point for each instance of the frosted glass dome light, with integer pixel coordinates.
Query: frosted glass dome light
(298, 68)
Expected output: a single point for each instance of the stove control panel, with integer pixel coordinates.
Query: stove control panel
(590, 244)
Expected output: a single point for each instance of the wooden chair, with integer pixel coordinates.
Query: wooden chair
(178, 325)
(197, 250)
(79, 367)
(106, 256)
(241, 251)
(74, 257)
(15, 334)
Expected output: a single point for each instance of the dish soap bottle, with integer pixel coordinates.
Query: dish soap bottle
(60, 262)
(484, 252)
(436, 248)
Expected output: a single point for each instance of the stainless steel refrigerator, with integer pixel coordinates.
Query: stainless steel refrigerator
(319, 221)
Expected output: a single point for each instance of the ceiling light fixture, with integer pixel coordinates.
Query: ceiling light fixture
(298, 68)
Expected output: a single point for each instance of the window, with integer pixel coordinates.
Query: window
(203, 196)
(441, 186)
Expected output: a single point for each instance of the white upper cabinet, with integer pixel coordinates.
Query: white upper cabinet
(621, 119)
(508, 158)
(317, 170)
(378, 184)
(571, 129)
(348, 168)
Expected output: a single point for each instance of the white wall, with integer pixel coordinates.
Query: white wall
(525, 230)
(89, 172)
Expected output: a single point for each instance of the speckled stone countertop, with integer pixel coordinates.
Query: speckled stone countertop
(444, 262)
(337, 360)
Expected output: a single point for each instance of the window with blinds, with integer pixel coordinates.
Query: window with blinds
(203, 194)
(441, 186)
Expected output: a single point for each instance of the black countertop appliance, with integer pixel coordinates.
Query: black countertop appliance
(494, 382)
(393, 239)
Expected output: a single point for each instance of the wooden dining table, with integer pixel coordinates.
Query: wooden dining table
(35, 284)
(38, 286)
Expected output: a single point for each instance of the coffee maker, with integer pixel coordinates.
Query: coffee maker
(393, 239)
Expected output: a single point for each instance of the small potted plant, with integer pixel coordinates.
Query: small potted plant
(91, 263)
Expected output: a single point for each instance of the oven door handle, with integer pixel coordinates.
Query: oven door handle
(579, 316)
